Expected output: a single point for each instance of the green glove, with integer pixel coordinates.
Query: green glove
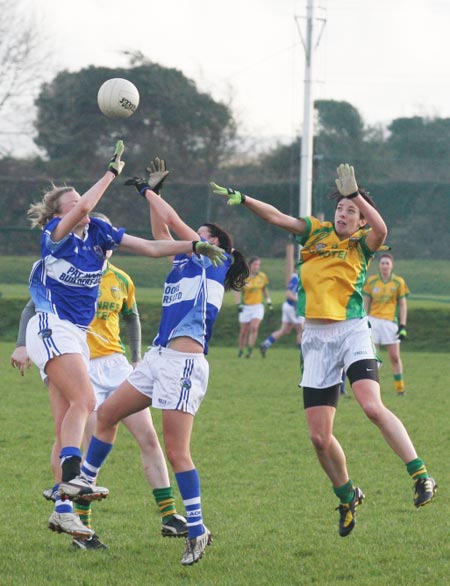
(234, 197)
(346, 182)
(140, 184)
(157, 172)
(401, 332)
(116, 165)
(215, 254)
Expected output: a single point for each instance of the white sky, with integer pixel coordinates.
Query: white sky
(388, 58)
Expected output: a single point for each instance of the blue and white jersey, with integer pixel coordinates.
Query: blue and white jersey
(293, 287)
(192, 297)
(65, 281)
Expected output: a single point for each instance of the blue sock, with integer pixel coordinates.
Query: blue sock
(96, 455)
(189, 486)
(63, 506)
(68, 452)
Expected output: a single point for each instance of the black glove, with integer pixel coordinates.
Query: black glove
(240, 307)
(157, 172)
(140, 184)
(401, 332)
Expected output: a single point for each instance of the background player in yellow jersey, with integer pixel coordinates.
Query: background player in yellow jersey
(251, 307)
(332, 270)
(108, 368)
(385, 302)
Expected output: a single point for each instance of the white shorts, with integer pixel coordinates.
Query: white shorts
(289, 315)
(49, 336)
(329, 348)
(106, 374)
(384, 331)
(251, 312)
(172, 380)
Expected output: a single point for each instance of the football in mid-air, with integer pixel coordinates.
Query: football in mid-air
(118, 98)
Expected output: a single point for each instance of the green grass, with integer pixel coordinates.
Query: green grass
(265, 497)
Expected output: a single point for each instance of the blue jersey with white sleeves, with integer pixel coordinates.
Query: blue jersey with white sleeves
(192, 297)
(293, 287)
(65, 281)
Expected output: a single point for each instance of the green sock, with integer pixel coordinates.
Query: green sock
(165, 501)
(345, 493)
(417, 469)
(399, 383)
(83, 510)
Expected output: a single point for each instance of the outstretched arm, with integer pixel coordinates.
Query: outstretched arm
(92, 196)
(347, 186)
(19, 358)
(265, 211)
(378, 233)
(163, 217)
(159, 248)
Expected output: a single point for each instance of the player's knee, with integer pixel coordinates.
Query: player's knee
(320, 441)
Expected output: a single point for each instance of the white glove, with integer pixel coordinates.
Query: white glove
(346, 182)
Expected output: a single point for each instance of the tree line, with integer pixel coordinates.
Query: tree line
(404, 166)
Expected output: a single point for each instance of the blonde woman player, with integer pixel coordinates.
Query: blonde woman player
(333, 264)
(108, 368)
(64, 287)
(173, 375)
(385, 302)
(251, 307)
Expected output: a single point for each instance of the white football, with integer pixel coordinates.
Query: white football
(118, 98)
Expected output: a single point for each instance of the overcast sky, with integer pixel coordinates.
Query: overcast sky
(388, 58)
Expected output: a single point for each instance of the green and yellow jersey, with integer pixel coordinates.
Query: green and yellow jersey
(332, 272)
(252, 293)
(385, 295)
(116, 297)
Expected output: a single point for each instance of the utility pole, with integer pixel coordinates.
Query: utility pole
(306, 150)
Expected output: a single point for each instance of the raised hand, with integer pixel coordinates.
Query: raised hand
(234, 197)
(116, 165)
(139, 183)
(346, 181)
(157, 172)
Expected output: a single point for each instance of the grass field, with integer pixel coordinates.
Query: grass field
(265, 498)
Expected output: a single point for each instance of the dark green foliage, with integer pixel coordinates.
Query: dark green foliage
(174, 120)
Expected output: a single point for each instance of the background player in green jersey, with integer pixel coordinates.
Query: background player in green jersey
(385, 302)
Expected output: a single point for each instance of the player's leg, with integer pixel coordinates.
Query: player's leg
(284, 330)
(124, 402)
(177, 430)
(320, 409)
(252, 335)
(397, 367)
(141, 426)
(367, 393)
(243, 336)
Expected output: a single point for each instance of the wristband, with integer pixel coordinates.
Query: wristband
(113, 171)
(352, 195)
(242, 198)
(194, 244)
